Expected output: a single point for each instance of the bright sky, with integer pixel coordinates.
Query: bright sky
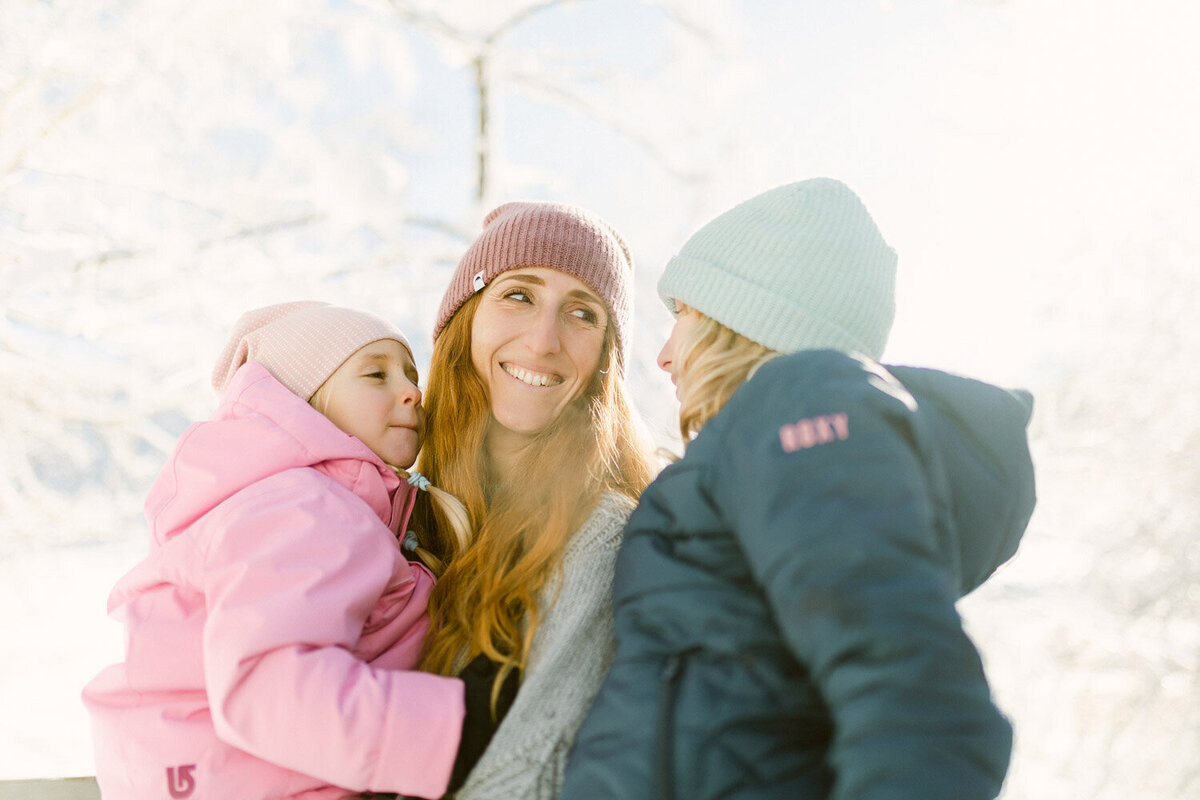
(1008, 150)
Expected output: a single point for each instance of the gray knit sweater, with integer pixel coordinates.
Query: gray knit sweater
(568, 659)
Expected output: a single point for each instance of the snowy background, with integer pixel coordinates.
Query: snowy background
(167, 164)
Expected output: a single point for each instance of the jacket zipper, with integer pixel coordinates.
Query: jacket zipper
(669, 676)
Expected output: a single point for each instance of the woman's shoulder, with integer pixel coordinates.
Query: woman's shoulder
(811, 374)
(612, 510)
(809, 385)
(603, 527)
(614, 504)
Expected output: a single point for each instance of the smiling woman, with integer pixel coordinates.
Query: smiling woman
(536, 341)
(530, 423)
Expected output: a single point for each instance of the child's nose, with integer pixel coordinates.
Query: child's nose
(409, 393)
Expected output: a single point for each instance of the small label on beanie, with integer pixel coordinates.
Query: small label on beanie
(477, 282)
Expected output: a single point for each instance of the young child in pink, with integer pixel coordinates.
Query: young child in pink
(273, 629)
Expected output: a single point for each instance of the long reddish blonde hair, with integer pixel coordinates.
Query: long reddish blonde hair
(486, 602)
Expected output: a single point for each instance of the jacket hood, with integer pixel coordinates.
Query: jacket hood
(981, 464)
(261, 429)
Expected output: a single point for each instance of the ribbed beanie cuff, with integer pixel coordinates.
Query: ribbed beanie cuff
(799, 267)
(300, 343)
(554, 235)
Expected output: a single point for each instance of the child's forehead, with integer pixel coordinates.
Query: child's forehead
(384, 349)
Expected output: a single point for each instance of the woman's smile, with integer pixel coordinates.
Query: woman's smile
(531, 377)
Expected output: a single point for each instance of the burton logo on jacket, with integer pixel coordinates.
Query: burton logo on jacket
(180, 781)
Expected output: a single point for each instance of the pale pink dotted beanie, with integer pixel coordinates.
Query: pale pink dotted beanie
(301, 343)
(555, 235)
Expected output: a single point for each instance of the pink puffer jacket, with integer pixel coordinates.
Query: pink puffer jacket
(270, 630)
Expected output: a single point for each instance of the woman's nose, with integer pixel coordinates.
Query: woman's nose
(543, 335)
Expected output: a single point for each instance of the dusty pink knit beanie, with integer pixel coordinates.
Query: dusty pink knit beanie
(300, 343)
(562, 237)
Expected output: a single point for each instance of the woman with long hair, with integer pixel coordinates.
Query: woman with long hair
(529, 423)
(784, 597)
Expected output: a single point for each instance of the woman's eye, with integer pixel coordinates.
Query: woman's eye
(520, 295)
(586, 315)
(377, 375)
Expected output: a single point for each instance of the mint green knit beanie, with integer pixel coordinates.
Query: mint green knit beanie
(799, 267)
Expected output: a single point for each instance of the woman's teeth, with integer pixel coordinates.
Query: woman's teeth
(532, 378)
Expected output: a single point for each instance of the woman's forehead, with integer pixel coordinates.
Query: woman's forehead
(548, 276)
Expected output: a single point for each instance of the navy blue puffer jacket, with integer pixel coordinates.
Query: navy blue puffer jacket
(785, 595)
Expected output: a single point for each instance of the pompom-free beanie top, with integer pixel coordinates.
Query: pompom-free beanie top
(799, 267)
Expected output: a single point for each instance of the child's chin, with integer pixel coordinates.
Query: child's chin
(403, 462)
(399, 453)
(398, 459)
